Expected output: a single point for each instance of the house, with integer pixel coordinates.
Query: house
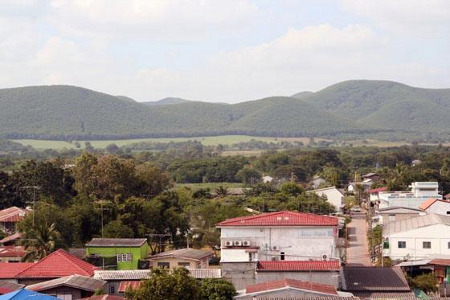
(267, 179)
(436, 206)
(417, 238)
(317, 182)
(374, 194)
(276, 236)
(439, 267)
(11, 240)
(371, 176)
(420, 191)
(9, 217)
(9, 271)
(26, 294)
(12, 253)
(284, 288)
(375, 282)
(115, 278)
(188, 257)
(70, 287)
(395, 213)
(57, 264)
(323, 271)
(123, 254)
(334, 196)
(8, 287)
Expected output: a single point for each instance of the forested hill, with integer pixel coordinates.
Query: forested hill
(353, 107)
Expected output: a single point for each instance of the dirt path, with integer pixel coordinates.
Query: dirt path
(358, 247)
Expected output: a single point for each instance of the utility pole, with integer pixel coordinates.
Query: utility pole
(34, 188)
(102, 209)
(160, 236)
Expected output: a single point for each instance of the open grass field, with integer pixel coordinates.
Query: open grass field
(212, 185)
(207, 141)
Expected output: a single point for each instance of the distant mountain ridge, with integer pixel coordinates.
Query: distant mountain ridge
(357, 108)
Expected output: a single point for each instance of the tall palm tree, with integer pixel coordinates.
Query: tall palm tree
(39, 240)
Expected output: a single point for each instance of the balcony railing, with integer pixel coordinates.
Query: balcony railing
(205, 273)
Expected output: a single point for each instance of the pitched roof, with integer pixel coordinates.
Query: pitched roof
(415, 223)
(125, 285)
(374, 279)
(10, 270)
(291, 283)
(425, 205)
(306, 265)
(281, 218)
(12, 251)
(377, 190)
(75, 281)
(58, 264)
(12, 214)
(101, 242)
(104, 297)
(187, 253)
(405, 209)
(440, 262)
(8, 287)
(326, 189)
(121, 274)
(11, 238)
(26, 294)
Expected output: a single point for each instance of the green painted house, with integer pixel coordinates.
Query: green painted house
(123, 254)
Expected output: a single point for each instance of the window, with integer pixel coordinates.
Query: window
(184, 264)
(281, 255)
(426, 245)
(124, 257)
(401, 244)
(448, 245)
(391, 218)
(163, 265)
(112, 290)
(448, 212)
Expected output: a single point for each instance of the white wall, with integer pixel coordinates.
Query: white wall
(298, 243)
(334, 196)
(438, 235)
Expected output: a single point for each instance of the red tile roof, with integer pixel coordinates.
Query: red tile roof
(293, 283)
(10, 270)
(11, 238)
(104, 297)
(12, 214)
(306, 265)
(124, 285)
(440, 262)
(12, 251)
(281, 218)
(381, 189)
(58, 264)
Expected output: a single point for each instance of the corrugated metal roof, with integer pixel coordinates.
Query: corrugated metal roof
(306, 265)
(125, 285)
(12, 214)
(293, 283)
(121, 274)
(8, 287)
(374, 279)
(101, 242)
(75, 281)
(281, 218)
(188, 253)
(415, 223)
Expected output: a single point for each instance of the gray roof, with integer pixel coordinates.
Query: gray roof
(187, 253)
(9, 286)
(400, 208)
(374, 279)
(75, 281)
(121, 274)
(100, 242)
(415, 223)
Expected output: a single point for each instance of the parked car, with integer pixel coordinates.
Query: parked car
(357, 209)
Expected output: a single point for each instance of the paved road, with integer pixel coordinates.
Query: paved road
(358, 247)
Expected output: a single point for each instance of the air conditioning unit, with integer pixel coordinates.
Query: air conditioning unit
(275, 248)
(324, 257)
(228, 244)
(237, 243)
(246, 243)
(274, 258)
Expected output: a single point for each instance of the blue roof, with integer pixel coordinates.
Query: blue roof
(26, 294)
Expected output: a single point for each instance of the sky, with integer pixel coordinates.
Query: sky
(222, 51)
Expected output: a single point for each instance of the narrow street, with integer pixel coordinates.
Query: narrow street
(358, 246)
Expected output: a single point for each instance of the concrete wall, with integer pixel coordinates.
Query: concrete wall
(325, 277)
(297, 243)
(438, 235)
(240, 274)
(174, 262)
(67, 293)
(137, 253)
(334, 196)
(397, 217)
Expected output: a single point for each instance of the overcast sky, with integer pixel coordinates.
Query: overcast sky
(228, 51)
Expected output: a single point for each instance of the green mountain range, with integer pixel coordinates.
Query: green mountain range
(357, 108)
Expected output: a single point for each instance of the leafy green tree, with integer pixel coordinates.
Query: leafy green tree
(112, 148)
(151, 180)
(116, 229)
(175, 285)
(39, 241)
(83, 173)
(291, 189)
(249, 175)
(426, 282)
(217, 289)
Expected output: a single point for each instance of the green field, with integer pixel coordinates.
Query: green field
(207, 141)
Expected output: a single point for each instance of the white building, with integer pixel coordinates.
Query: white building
(420, 191)
(418, 238)
(334, 196)
(281, 235)
(436, 206)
